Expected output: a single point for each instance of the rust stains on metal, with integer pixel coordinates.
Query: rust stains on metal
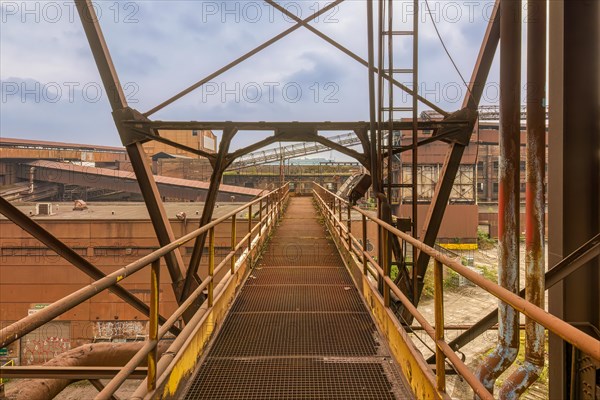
(96, 354)
(508, 197)
(526, 374)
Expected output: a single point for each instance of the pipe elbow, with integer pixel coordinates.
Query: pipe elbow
(520, 380)
(494, 365)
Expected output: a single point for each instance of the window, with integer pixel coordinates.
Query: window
(495, 187)
(194, 133)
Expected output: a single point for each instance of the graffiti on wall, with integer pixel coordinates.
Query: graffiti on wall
(37, 351)
(119, 329)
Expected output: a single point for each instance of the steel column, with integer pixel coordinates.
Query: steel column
(574, 182)
(528, 373)
(509, 192)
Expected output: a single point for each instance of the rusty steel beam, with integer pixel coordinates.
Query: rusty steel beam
(312, 126)
(137, 156)
(241, 58)
(554, 275)
(435, 213)
(484, 60)
(221, 164)
(71, 256)
(506, 351)
(158, 215)
(527, 373)
(72, 372)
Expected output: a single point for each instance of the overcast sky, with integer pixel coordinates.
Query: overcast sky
(51, 89)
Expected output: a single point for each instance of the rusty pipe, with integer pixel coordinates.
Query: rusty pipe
(507, 348)
(95, 354)
(530, 371)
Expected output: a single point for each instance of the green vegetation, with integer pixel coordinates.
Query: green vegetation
(484, 242)
(450, 282)
(489, 273)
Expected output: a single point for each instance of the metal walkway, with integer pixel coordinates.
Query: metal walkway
(299, 327)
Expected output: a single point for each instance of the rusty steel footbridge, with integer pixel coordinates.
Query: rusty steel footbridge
(299, 306)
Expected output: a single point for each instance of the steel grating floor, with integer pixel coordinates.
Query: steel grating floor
(298, 329)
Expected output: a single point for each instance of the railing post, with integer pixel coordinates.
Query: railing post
(364, 246)
(438, 294)
(260, 217)
(333, 211)
(268, 210)
(249, 228)
(386, 266)
(233, 241)
(211, 265)
(153, 325)
(340, 221)
(349, 225)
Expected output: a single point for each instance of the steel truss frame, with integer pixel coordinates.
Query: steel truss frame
(135, 128)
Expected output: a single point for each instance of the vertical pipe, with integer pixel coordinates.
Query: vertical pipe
(153, 328)
(530, 371)
(211, 265)
(372, 116)
(415, 149)
(506, 351)
(440, 368)
(233, 241)
(390, 46)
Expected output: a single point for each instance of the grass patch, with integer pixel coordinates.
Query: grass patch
(484, 242)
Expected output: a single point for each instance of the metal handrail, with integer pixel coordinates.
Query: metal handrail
(331, 208)
(6, 364)
(272, 202)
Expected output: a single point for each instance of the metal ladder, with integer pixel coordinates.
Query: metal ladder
(399, 186)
